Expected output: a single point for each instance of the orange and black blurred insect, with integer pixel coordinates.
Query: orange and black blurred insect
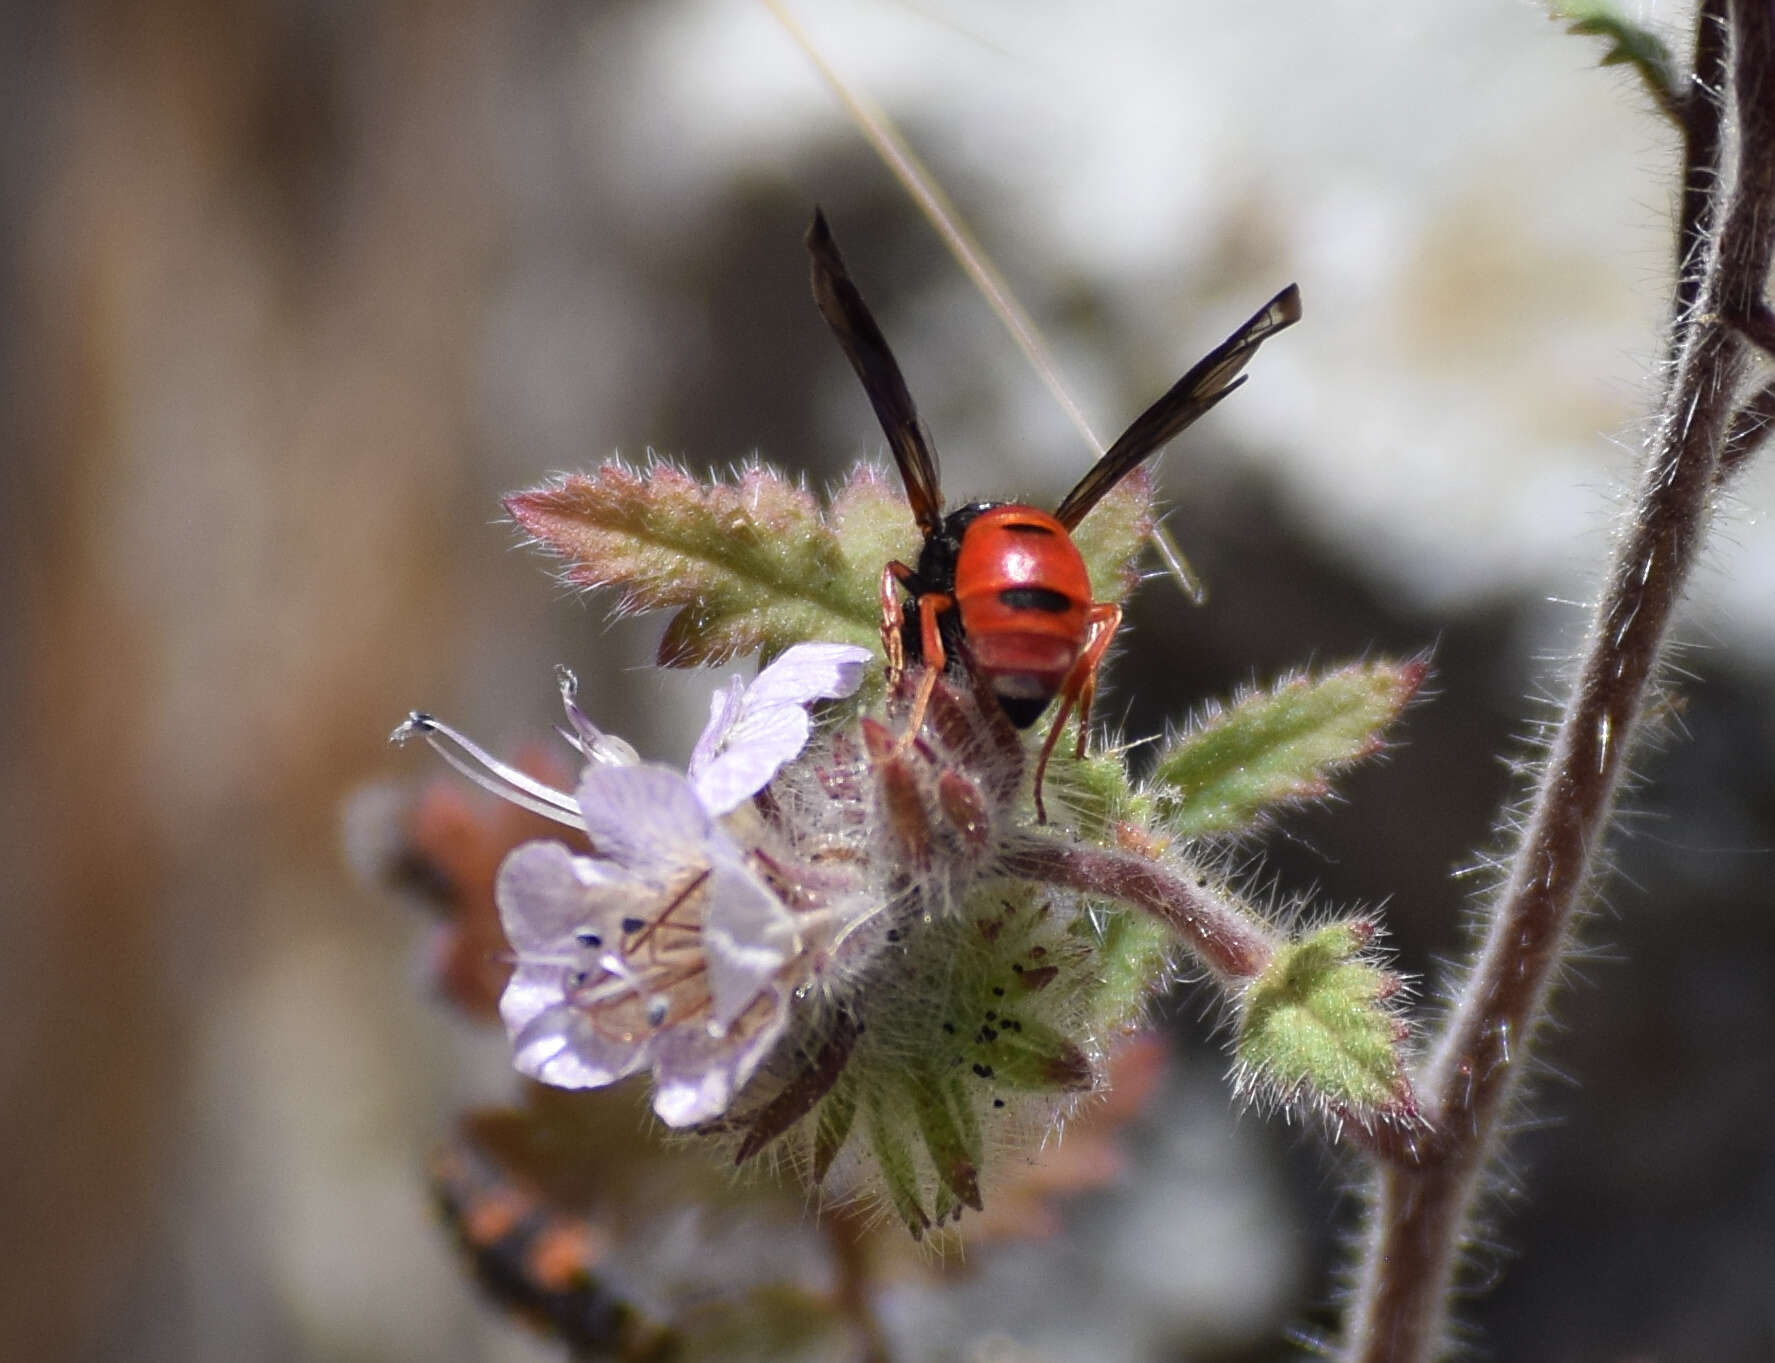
(537, 1260)
(1000, 589)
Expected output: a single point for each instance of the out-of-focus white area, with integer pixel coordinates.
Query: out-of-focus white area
(1477, 215)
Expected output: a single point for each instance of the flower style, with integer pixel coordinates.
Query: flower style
(663, 949)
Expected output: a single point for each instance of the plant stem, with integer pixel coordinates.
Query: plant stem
(1419, 1217)
(1226, 939)
(1703, 131)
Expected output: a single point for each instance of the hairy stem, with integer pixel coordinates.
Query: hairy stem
(1226, 939)
(1419, 1216)
(1703, 135)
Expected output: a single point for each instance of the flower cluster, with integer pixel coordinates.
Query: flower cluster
(843, 936)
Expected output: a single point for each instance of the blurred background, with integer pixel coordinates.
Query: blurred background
(291, 292)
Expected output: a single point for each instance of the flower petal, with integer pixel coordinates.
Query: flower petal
(547, 895)
(696, 1075)
(757, 746)
(724, 712)
(809, 672)
(751, 733)
(562, 1046)
(645, 818)
(694, 1085)
(748, 933)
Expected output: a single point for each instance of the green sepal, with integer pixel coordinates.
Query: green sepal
(1034, 1058)
(899, 1171)
(1315, 1025)
(838, 1110)
(1133, 958)
(1278, 747)
(1089, 794)
(967, 1121)
(955, 1159)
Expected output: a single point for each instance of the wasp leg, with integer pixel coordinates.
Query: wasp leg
(893, 618)
(1079, 689)
(930, 606)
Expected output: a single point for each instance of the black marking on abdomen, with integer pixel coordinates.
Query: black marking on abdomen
(1044, 599)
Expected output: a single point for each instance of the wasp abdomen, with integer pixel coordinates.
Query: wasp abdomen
(1022, 594)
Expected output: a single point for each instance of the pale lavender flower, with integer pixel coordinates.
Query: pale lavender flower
(663, 949)
(661, 952)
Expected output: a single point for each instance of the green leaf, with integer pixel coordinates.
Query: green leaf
(1111, 538)
(756, 564)
(1629, 44)
(1279, 746)
(750, 565)
(1315, 1024)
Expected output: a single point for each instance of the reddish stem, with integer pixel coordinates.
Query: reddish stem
(1226, 939)
(1421, 1212)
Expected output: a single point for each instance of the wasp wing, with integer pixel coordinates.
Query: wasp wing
(867, 350)
(1210, 380)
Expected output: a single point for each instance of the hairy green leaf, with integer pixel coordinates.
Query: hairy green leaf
(753, 564)
(1278, 746)
(1316, 1026)
(1111, 538)
(1629, 44)
(757, 564)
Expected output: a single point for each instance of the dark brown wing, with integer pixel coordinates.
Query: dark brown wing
(1210, 380)
(867, 350)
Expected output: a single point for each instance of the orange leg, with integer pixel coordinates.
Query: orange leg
(892, 618)
(930, 642)
(1079, 689)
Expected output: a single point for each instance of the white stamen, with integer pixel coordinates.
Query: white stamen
(607, 988)
(489, 772)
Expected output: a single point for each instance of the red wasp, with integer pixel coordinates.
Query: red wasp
(1000, 587)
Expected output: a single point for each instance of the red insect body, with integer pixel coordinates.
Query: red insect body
(1024, 599)
(1000, 588)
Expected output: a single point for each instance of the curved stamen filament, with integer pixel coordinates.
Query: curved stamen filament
(488, 772)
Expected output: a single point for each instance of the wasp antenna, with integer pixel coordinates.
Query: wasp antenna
(867, 350)
(1208, 381)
